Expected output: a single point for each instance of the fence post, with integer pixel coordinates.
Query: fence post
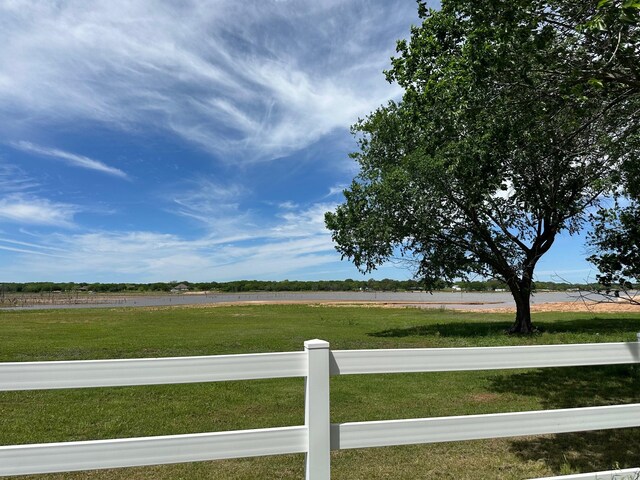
(318, 461)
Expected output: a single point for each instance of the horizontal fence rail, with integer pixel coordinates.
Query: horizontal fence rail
(150, 371)
(131, 452)
(156, 371)
(477, 427)
(347, 362)
(317, 436)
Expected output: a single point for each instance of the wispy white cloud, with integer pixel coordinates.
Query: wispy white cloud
(69, 158)
(30, 244)
(297, 241)
(336, 189)
(150, 256)
(245, 80)
(30, 210)
(219, 208)
(21, 202)
(29, 252)
(303, 223)
(14, 180)
(214, 205)
(288, 205)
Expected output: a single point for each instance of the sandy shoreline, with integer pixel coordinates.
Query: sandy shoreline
(577, 306)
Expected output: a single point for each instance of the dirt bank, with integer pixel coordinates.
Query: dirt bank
(577, 306)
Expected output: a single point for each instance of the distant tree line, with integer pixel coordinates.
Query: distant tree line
(232, 287)
(348, 285)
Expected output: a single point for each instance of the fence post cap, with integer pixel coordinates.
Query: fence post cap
(315, 344)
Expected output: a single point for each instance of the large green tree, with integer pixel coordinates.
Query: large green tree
(504, 137)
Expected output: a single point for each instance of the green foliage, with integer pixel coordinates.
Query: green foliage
(502, 140)
(616, 241)
(604, 38)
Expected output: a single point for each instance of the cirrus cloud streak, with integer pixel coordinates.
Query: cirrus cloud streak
(247, 81)
(70, 158)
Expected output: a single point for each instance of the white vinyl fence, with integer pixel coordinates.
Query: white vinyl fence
(317, 437)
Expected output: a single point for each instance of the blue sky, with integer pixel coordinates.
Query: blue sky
(198, 140)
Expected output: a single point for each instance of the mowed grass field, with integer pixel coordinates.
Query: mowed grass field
(84, 414)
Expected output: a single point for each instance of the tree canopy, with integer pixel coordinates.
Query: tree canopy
(615, 239)
(507, 132)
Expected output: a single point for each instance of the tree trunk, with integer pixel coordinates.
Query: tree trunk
(521, 291)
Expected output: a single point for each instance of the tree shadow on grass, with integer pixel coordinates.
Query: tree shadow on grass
(583, 452)
(453, 329)
(558, 388)
(591, 325)
(578, 387)
(488, 329)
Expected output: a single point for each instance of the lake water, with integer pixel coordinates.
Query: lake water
(453, 300)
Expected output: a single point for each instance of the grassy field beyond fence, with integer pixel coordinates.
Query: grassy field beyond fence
(85, 414)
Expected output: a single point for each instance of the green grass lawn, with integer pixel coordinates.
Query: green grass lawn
(83, 414)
